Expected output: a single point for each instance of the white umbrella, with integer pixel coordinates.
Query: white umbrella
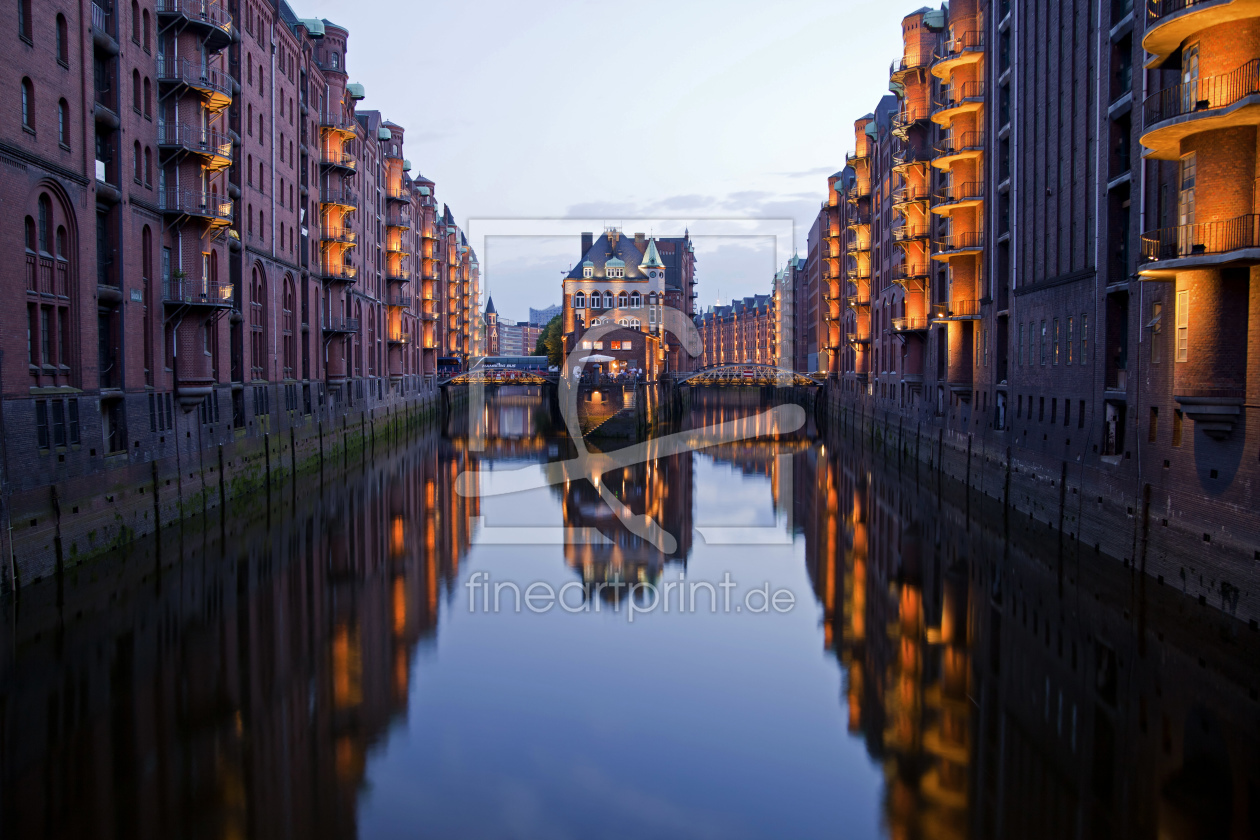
(597, 358)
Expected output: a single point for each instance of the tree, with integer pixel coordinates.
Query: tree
(551, 343)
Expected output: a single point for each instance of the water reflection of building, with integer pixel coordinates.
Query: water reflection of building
(660, 488)
(235, 690)
(1006, 695)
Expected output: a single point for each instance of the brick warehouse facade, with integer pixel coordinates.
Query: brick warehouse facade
(1047, 282)
(743, 331)
(264, 257)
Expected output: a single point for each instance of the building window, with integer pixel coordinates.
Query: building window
(636, 302)
(1183, 325)
(63, 123)
(28, 105)
(24, 20)
(63, 41)
(1043, 342)
(579, 301)
(1157, 312)
(1055, 343)
(1084, 338)
(588, 271)
(1071, 350)
(1019, 347)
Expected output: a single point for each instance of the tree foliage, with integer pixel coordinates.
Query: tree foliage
(551, 342)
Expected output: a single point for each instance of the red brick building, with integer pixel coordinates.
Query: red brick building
(204, 218)
(744, 331)
(1050, 251)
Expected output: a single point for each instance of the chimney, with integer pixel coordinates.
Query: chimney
(588, 239)
(640, 241)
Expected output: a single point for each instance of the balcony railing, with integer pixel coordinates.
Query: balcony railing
(212, 15)
(1201, 239)
(861, 189)
(915, 323)
(336, 157)
(962, 42)
(397, 275)
(400, 337)
(956, 309)
(397, 218)
(909, 193)
(905, 233)
(1204, 94)
(955, 95)
(854, 158)
(969, 241)
(908, 155)
(908, 62)
(102, 19)
(195, 139)
(1157, 9)
(344, 198)
(953, 144)
(339, 234)
(208, 205)
(336, 272)
(201, 292)
(182, 71)
(859, 218)
(398, 194)
(954, 193)
(337, 122)
(907, 274)
(398, 299)
(333, 324)
(858, 300)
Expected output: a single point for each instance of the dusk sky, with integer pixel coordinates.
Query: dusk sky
(702, 109)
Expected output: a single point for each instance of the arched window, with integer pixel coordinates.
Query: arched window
(135, 21)
(135, 91)
(624, 322)
(249, 172)
(579, 301)
(146, 270)
(31, 243)
(63, 40)
(63, 123)
(137, 162)
(623, 300)
(258, 323)
(634, 323)
(146, 31)
(608, 300)
(45, 223)
(148, 99)
(635, 301)
(25, 24)
(287, 323)
(148, 167)
(28, 104)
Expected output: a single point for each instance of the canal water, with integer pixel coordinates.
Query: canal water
(783, 635)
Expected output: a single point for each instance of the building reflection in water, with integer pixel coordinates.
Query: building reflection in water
(1005, 694)
(231, 682)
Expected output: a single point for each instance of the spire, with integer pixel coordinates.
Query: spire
(652, 259)
(490, 310)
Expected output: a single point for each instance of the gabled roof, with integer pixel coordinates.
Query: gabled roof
(612, 249)
(652, 259)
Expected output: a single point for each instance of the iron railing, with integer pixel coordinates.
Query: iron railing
(954, 193)
(345, 198)
(952, 144)
(1157, 9)
(183, 71)
(1202, 238)
(194, 139)
(340, 324)
(197, 292)
(960, 241)
(199, 11)
(1203, 94)
(911, 323)
(210, 205)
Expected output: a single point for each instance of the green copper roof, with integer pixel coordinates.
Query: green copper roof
(355, 91)
(384, 133)
(614, 262)
(652, 259)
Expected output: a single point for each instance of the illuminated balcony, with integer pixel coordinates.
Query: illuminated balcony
(858, 273)
(959, 245)
(1207, 244)
(337, 124)
(398, 218)
(212, 83)
(861, 189)
(966, 145)
(335, 272)
(909, 277)
(398, 194)
(398, 299)
(907, 157)
(1170, 22)
(1217, 102)
(183, 291)
(337, 159)
(964, 48)
(339, 198)
(904, 66)
(914, 324)
(397, 275)
(340, 326)
(859, 337)
(214, 149)
(909, 194)
(956, 100)
(211, 21)
(856, 301)
(859, 219)
(339, 234)
(399, 337)
(957, 196)
(904, 120)
(956, 310)
(857, 158)
(210, 206)
(910, 233)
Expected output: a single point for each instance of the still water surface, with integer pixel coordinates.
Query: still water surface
(333, 667)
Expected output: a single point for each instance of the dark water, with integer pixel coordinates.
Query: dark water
(319, 666)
